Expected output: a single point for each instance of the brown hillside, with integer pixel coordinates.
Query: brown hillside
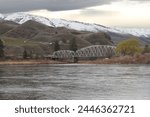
(28, 30)
(100, 38)
(32, 29)
(65, 39)
(38, 39)
(5, 26)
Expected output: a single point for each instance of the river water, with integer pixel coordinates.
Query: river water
(74, 81)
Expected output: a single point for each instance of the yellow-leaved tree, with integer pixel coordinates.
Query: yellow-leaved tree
(129, 47)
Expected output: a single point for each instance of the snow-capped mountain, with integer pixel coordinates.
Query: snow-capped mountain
(22, 17)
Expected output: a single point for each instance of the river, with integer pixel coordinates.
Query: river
(74, 82)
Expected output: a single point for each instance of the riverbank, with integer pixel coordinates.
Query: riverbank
(29, 62)
(136, 59)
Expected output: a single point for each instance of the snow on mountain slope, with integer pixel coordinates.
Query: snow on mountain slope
(22, 17)
(1, 16)
(144, 32)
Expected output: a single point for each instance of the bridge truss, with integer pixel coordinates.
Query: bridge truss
(87, 52)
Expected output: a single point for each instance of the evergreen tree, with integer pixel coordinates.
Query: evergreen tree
(1, 49)
(73, 45)
(25, 54)
(56, 46)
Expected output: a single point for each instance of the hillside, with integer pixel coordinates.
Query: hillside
(5, 26)
(38, 39)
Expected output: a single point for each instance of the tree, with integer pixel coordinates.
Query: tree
(73, 45)
(25, 54)
(128, 47)
(1, 49)
(56, 46)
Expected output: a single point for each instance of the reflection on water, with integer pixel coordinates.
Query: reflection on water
(74, 81)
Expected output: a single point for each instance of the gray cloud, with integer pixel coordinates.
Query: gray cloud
(7, 6)
(94, 12)
(139, 0)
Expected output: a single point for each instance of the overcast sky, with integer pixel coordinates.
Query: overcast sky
(124, 13)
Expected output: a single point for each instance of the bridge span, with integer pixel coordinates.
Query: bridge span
(94, 51)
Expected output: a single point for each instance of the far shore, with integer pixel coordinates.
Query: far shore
(136, 59)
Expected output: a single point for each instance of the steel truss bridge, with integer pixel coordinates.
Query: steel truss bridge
(87, 52)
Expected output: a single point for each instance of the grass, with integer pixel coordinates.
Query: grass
(18, 42)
